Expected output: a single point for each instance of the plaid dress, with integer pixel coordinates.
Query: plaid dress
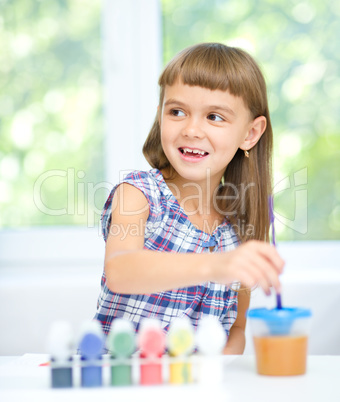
(169, 229)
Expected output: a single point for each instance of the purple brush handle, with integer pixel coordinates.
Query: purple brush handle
(273, 235)
(278, 301)
(271, 218)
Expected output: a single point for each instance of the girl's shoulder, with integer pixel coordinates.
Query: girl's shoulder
(149, 182)
(144, 177)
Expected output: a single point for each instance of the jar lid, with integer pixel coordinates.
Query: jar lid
(275, 314)
(279, 321)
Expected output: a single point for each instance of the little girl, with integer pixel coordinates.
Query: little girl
(173, 233)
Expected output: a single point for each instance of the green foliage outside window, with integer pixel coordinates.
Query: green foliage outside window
(51, 129)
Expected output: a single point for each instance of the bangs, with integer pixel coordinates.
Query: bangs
(207, 67)
(216, 66)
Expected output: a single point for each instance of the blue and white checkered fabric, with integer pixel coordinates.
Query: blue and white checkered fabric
(169, 229)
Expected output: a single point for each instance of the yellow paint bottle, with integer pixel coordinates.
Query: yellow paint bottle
(180, 345)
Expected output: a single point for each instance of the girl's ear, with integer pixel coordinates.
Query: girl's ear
(257, 128)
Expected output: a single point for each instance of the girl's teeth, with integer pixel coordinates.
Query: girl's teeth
(193, 151)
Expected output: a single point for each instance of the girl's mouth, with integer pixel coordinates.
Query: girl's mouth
(193, 153)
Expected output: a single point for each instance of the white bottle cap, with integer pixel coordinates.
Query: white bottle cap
(60, 341)
(211, 337)
(121, 325)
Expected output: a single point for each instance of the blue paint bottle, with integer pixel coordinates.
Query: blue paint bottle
(60, 345)
(91, 348)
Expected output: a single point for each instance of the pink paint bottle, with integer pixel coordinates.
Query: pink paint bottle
(151, 341)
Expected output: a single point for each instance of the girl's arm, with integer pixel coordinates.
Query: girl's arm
(131, 269)
(237, 340)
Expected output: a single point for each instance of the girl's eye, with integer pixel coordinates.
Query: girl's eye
(214, 117)
(176, 112)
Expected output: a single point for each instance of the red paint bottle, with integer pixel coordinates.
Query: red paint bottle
(151, 341)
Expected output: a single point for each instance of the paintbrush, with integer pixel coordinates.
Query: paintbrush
(271, 217)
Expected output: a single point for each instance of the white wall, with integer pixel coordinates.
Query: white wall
(43, 280)
(32, 297)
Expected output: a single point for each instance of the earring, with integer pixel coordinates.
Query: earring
(246, 153)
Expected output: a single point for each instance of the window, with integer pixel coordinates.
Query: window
(79, 85)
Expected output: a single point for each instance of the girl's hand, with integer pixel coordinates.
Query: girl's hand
(254, 262)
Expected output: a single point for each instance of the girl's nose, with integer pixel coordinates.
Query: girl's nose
(193, 129)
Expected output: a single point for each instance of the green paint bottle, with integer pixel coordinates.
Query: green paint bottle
(121, 344)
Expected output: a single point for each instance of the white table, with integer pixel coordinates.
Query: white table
(22, 380)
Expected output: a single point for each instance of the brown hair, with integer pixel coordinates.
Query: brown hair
(217, 66)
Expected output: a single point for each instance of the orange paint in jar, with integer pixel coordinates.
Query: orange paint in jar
(281, 355)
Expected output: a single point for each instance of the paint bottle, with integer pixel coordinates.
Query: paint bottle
(60, 345)
(121, 342)
(180, 345)
(151, 341)
(91, 349)
(211, 339)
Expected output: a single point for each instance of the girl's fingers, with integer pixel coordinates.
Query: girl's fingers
(253, 263)
(268, 275)
(248, 273)
(259, 276)
(263, 264)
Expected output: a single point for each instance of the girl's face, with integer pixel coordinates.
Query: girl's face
(202, 129)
